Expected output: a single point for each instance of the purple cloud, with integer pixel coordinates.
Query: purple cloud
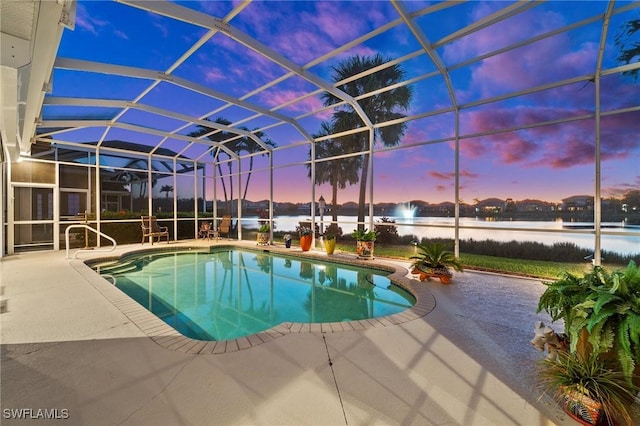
(276, 97)
(526, 66)
(558, 146)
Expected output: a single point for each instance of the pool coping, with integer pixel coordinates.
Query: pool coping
(166, 336)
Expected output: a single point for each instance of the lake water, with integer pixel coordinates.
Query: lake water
(550, 232)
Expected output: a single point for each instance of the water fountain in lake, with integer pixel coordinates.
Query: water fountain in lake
(406, 212)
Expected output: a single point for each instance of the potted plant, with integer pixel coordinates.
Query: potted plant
(263, 234)
(306, 237)
(434, 260)
(329, 243)
(287, 240)
(589, 390)
(364, 242)
(601, 314)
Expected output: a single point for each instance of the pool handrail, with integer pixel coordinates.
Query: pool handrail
(66, 240)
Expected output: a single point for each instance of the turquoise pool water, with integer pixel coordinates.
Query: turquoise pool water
(227, 294)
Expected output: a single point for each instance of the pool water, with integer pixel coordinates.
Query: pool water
(227, 294)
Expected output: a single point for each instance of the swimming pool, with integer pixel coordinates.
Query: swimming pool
(228, 293)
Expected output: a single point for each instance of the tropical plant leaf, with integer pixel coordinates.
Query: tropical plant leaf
(600, 317)
(602, 300)
(627, 363)
(632, 323)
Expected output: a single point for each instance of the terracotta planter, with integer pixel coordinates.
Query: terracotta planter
(444, 275)
(305, 242)
(263, 238)
(330, 245)
(364, 249)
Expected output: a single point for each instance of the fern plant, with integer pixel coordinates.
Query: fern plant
(604, 308)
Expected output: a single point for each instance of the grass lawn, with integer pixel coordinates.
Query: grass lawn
(530, 268)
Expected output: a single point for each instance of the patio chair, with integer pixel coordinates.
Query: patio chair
(224, 228)
(151, 229)
(203, 232)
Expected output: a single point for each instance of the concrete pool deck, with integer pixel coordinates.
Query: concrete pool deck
(67, 347)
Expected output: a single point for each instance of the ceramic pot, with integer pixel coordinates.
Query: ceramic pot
(364, 249)
(263, 238)
(330, 245)
(305, 242)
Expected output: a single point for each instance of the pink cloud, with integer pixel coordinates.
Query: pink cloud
(415, 134)
(274, 98)
(242, 68)
(214, 74)
(327, 18)
(452, 175)
(573, 151)
(411, 160)
(313, 32)
(617, 190)
(501, 34)
(558, 146)
(468, 174)
(526, 66)
(517, 150)
(440, 175)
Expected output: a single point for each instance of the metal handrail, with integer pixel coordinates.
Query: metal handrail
(66, 239)
(109, 276)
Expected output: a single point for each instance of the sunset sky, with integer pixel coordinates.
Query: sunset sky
(550, 161)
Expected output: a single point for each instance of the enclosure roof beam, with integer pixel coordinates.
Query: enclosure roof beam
(194, 17)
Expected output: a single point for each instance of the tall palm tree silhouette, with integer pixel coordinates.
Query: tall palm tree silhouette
(237, 145)
(383, 106)
(337, 172)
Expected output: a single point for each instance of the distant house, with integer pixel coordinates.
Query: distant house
(577, 203)
(529, 205)
(490, 205)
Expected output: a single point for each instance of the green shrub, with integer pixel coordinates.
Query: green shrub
(386, 232)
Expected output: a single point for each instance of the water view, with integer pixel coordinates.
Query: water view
(615, 235)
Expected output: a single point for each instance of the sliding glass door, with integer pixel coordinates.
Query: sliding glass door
(33, 213)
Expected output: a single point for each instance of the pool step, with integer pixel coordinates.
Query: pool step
(117, 267)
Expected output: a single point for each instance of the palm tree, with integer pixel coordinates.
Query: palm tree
(380, 108)
(166, 189)
(219, 136)
(629, 49)
(339, 172)
(237, 146)
(251, 147)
